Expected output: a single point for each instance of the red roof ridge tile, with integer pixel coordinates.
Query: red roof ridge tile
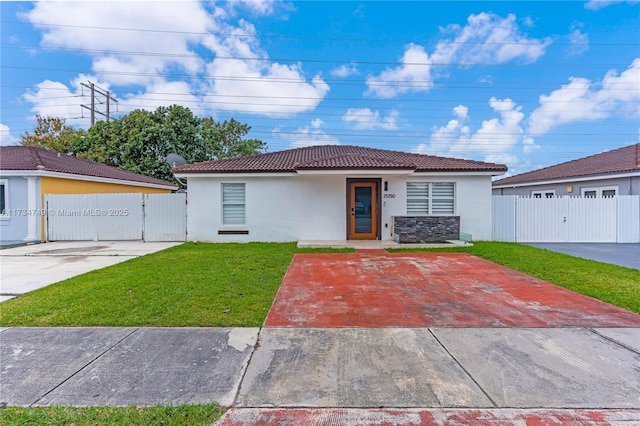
(34, 154)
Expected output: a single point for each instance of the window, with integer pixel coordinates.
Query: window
(233, 203)
(543, 194)
(4, 197)
(430, 198)
(602, 192)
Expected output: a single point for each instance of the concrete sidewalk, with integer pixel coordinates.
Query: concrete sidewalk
(540, 369)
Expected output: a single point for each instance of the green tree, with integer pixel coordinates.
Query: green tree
(225, 139)
(52, 133)
(141, 140)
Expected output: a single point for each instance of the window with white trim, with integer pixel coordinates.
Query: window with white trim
(543, 194)
(430, 198)
(601, 192)
(233, 203)
(4, 197)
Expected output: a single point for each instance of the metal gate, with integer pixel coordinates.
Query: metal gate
(116, 217)
(165, 217)
(566, 219)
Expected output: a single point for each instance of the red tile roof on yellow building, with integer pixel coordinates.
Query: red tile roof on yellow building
(29, 158)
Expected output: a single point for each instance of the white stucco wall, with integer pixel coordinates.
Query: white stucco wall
(314, 207)
(474, 205)
(287, 208)
(14, 226)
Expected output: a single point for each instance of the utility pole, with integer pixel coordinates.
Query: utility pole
(103, 99)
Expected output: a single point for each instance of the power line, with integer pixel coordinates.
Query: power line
(323, 39)
(251, 58)
(106, 98)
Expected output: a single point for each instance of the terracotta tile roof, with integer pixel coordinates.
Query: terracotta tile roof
(621, 160)
(29, 158)
(337, 157)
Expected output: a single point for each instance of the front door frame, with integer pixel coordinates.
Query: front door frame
(376, 204)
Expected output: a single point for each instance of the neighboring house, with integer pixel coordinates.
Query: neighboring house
(336, 192)
(27, 174)
(607, 174)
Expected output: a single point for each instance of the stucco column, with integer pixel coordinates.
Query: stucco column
(32, 203)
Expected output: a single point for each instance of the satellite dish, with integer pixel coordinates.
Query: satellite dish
(175, 160)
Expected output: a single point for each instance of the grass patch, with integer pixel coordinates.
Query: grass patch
(610, 283)
(190, 285)
(184, 415)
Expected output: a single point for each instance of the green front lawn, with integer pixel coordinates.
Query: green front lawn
(233, 285)
(190, 285)
(183, 415)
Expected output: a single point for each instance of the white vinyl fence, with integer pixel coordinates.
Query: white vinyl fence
(116, 217)
(566, 219)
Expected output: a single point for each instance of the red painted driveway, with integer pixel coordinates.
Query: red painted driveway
(379, 289)
(423, 417)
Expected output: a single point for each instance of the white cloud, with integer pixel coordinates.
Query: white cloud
(345, 70)
(488, 39)
(258, 86)
(52, 98)
(258, 7)
(599, 4)
(90, 26)
(162, 93)
(461, 112)
(170, 37)
(311, 135)
(494, 141)
(413, 75)
(583, 100)
(578, 41)
(6, 138)
(365, 119)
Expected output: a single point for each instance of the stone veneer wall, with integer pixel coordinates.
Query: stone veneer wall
(425, 229)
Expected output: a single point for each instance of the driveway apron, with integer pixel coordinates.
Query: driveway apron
(436, 338)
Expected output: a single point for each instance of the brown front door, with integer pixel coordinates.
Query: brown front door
(363, 210)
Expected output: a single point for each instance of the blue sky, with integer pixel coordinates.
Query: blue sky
(527, 84)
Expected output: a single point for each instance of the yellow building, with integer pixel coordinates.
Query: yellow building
(27, 174)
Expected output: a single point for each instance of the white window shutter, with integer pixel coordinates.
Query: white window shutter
(233, 203)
